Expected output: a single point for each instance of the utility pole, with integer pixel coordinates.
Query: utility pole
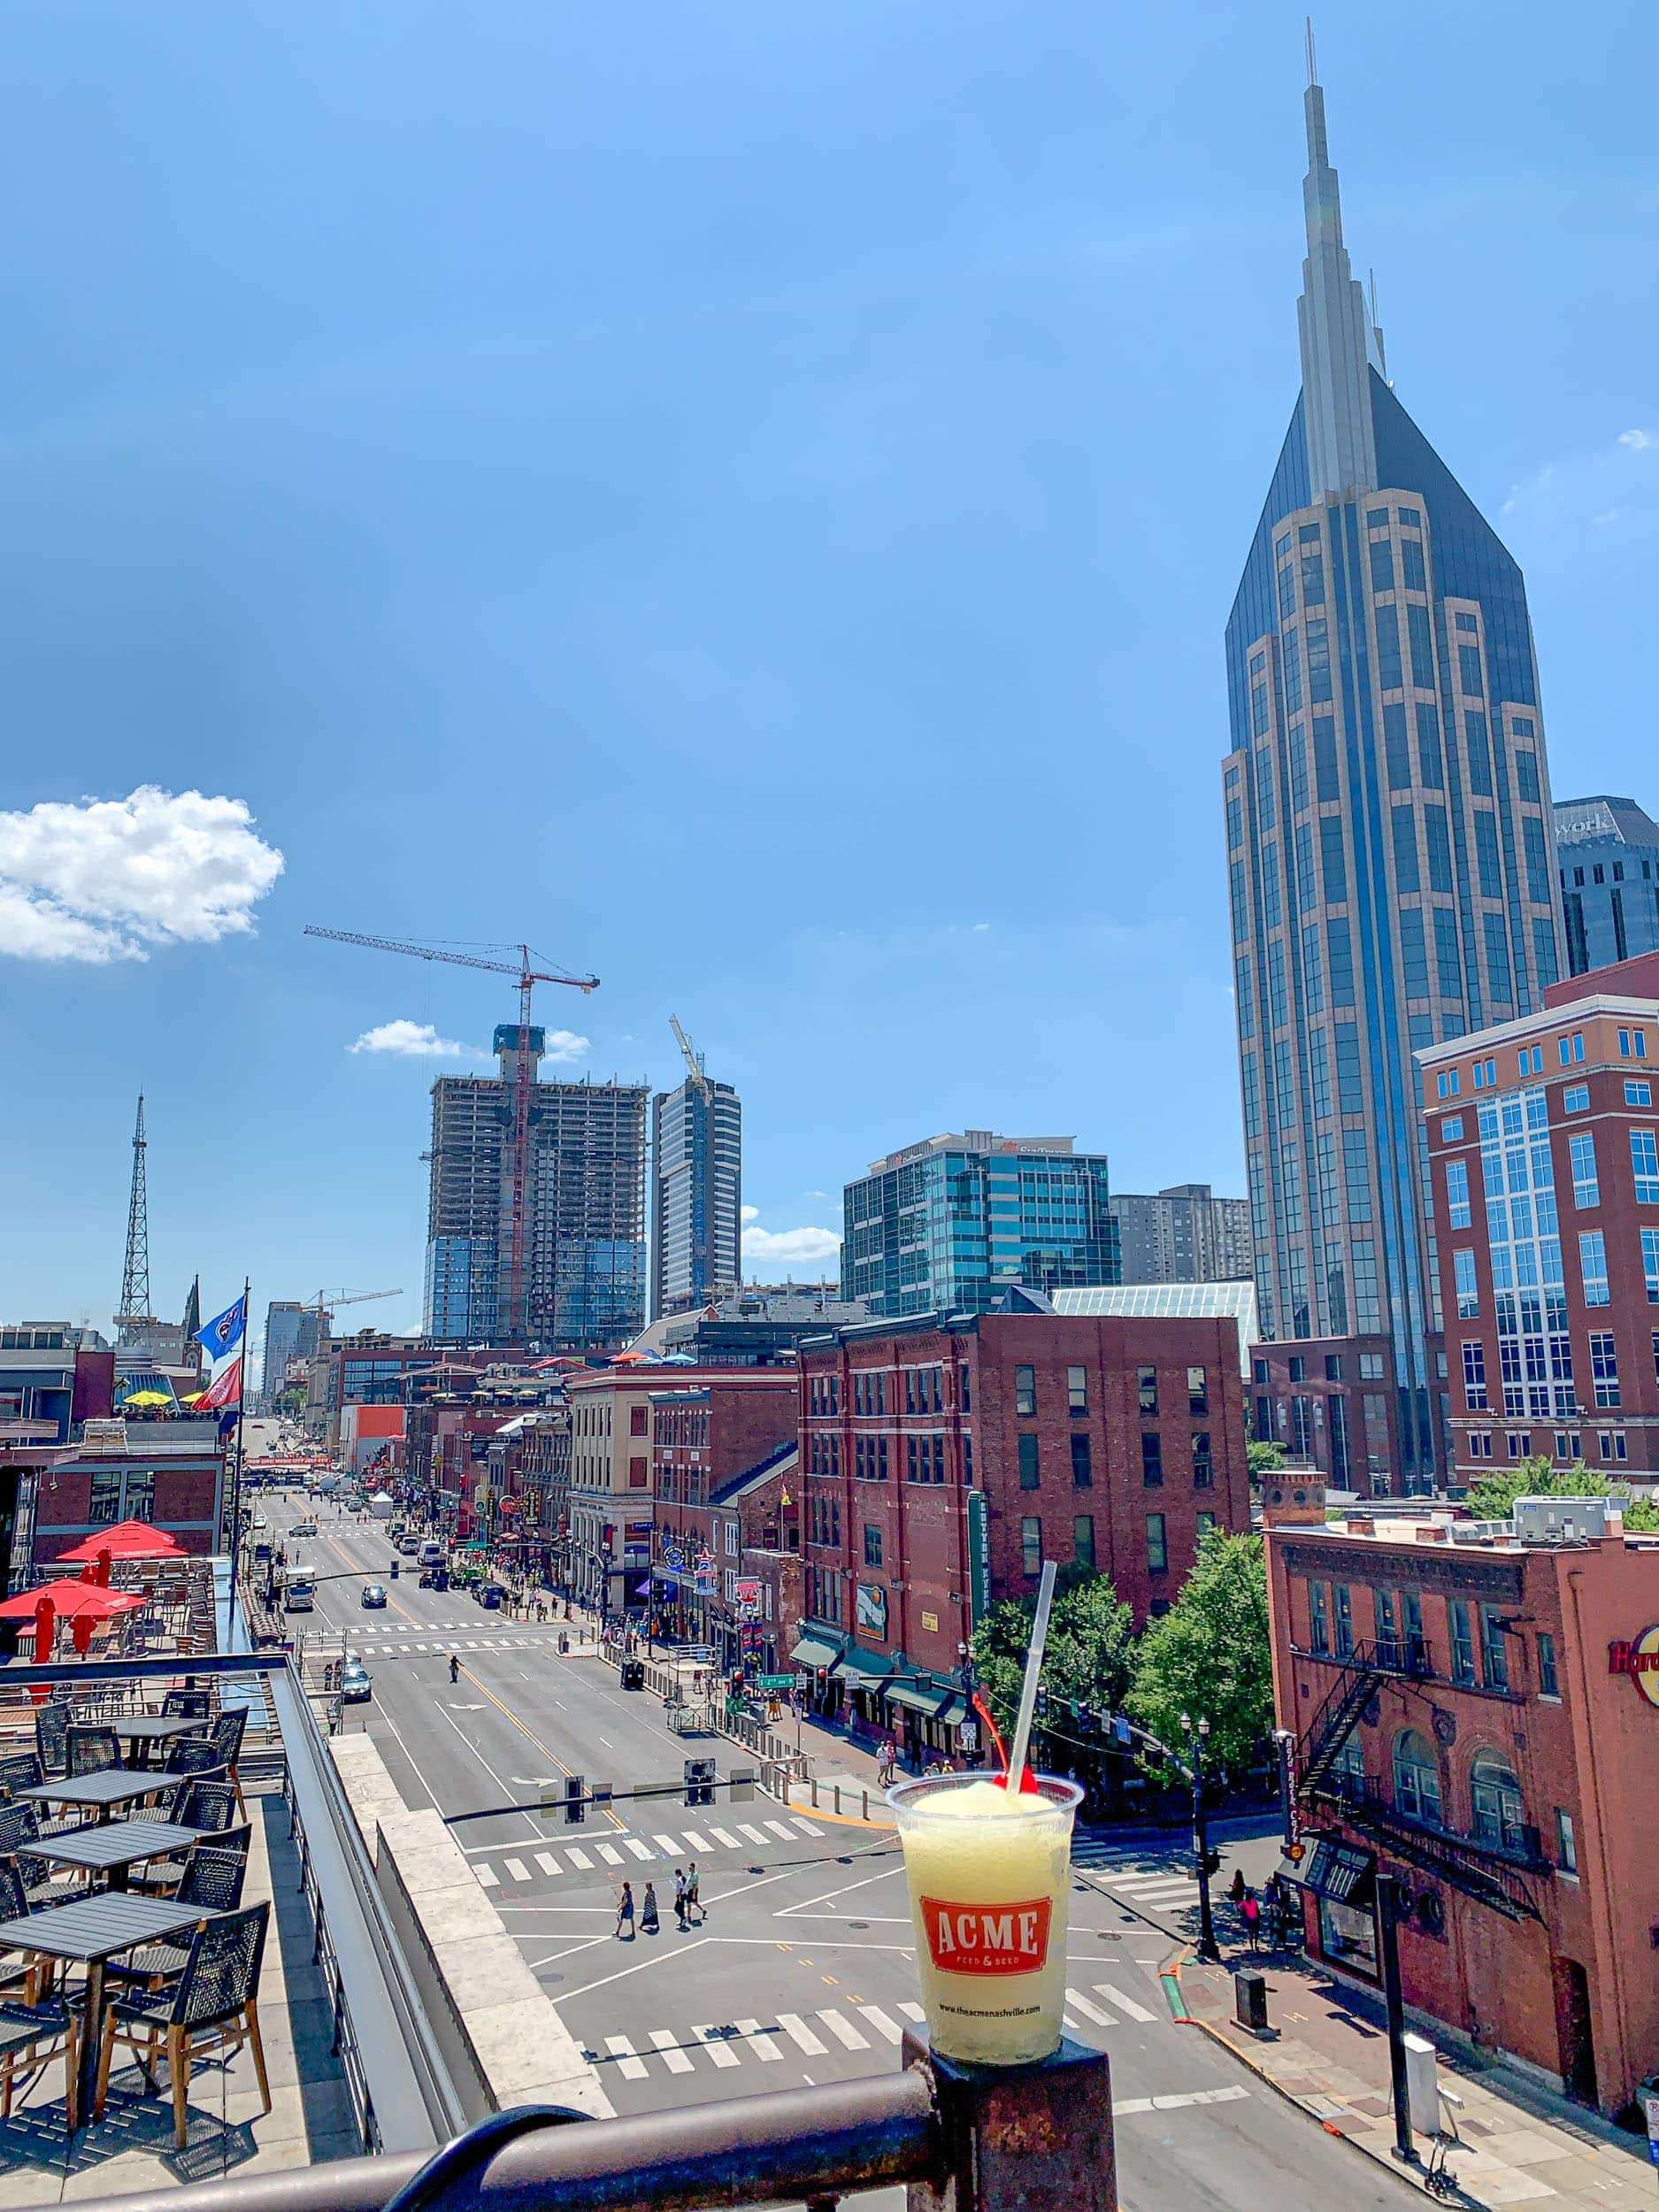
(1390, 1904)
(1196, 1737)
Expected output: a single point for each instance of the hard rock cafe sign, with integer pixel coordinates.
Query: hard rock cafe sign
(1640, 1659)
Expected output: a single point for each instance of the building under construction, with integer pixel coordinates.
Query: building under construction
(584, 1231)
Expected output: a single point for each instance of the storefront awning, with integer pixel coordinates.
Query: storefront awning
(861, 1670)
(953, 1712)
(1339, 1871)
(813, 1651)
(914, 1700)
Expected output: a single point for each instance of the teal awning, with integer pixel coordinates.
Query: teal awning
(813, 1651)
(917, 1701)
(862, 1670)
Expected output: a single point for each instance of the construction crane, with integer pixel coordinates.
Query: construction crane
(325, 1301)
(694, 1059)
(518, 1317)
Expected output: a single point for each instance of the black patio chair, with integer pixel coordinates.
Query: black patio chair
(228, 1731)
(192, 1755)
(190, 1704)
(19, 1770)
(213, 1879)
(93, 1749)
(52, 1736)
(20, 1826)
(213, 2006)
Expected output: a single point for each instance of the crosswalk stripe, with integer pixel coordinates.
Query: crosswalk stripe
(667, 1846)
(697, 1842)
(672, 2057)
(611, 1857)
(578, 1858)
(798, 2032)
(844, 2031)
(547, 1863)
(882, 2023)
(1127, 2006)
(1078, 2002)
(754, 1834)
(912, 2012)
(759, 2041)
(777, 1828)
(725, 1835)
(639, 1849)
(487, 1877)
(710, 2039)
(631, 2068)
(519, 1871)
(806, 1827)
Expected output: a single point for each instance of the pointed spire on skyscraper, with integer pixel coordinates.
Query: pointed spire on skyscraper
(1334, 326)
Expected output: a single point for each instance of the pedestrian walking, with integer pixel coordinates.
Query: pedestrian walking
(1235, 1887)
(648, 1922)
(679, 1895)
(624, 1910)
(1250, 1911)
(694, 1900)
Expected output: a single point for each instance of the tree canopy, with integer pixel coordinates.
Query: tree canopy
(1209, 1655)
(1492, 1497)
(1089, 1653)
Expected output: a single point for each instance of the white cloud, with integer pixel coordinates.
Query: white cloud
(1606, 487)
(750, 1213)
(564, 1045)
(767, 1248)
(1639, 441)
(104, 880)
(415, 1040)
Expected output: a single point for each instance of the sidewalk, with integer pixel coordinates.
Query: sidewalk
(1330, 2055)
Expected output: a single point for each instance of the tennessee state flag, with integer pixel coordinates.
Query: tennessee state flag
(223, 1390)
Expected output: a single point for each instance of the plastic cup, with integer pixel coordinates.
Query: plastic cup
(989, 1877)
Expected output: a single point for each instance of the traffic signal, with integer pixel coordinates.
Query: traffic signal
(575, 1801)
(1212, 1862)
(699, 1781)
(743, 1785)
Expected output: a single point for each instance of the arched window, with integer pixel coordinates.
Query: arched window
(1416, 1778)
(1495, 1796)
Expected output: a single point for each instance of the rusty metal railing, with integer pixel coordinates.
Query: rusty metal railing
(959, 2138)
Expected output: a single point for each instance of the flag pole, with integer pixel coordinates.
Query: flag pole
(241, 1401)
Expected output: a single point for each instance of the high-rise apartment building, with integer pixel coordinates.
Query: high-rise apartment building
(952, 1223)
(696, 1210)
(1388, 833)
(585, 1216)
(291, 1332)
(1609, 852)
(1182, 1234)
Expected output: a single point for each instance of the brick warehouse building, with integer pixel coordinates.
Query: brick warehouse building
(943, 1458)
(1475, 1718)
(717, 1447)
(1544, 1151)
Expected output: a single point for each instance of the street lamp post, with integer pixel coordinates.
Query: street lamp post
(1196, 1739)
(1392, 1900)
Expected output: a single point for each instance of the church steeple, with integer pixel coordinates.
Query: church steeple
(1334, 326)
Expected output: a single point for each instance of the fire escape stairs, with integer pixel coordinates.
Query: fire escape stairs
(1333, 1723)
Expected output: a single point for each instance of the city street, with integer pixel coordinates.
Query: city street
(800, 1968)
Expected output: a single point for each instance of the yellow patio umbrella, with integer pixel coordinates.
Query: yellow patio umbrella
(148, 1398)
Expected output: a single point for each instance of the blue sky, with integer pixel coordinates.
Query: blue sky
(745, 498)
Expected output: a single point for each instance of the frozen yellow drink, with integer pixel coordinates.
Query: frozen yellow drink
(989, 1879)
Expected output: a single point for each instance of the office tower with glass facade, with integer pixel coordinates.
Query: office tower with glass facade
(1609, 852)
(954, 1223)
(697, 1195)
(291, 1332)
(585, 1225)
(1389, 840)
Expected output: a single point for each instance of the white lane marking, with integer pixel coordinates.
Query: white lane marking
(1127, 2006)
(666, 1845)
(882, 2023)
(547, 1863)
(1229, 2095)
(1078, 2002)
(754, 1834)
(759, 2039)
(672, 2055)
(697, 1842)
(630, 2068)
(578, 1858)
(912, 2012)
(725, 1835)
(611, 1857)
(798, 2032)
(519, 1871)
(844, 2031)
(777, 1828)
(487, 1877)
(640, 1850)
(807, 1827)
(710, 2039)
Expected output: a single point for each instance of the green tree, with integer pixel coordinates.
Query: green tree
(1208, 1656)
(1088, 1656)
(1492, 1497)
(1264, 1457)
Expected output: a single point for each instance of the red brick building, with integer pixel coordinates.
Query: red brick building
(1329, 1401)
(944, 1458)
(1544, 1150)
(718, 1448)
(1477, 1717)
(174, 1479)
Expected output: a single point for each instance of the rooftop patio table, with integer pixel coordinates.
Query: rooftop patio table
(145, 1731)
(101, 1794)
(114, 1846)
(91, 1932)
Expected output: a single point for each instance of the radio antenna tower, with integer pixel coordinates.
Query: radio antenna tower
(134, 1308)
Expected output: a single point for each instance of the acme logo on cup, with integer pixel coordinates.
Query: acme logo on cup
(987, 1938)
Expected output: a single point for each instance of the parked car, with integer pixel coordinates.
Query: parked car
(356, 1688)
(374, 1596)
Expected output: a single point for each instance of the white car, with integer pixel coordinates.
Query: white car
(303, 1528)
(356, 1688)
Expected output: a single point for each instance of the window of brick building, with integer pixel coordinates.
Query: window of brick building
(1029, 1471)
(1030, 1546)
(1157, 1545)
(1026, 1390)
(1151, 1457)
(1082, 1463)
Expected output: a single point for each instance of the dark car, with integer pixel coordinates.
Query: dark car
(489, 1595)
(374, 1596)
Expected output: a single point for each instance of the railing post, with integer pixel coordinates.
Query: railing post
(1015, 2136)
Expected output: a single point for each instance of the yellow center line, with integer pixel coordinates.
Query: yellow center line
(525, 1730)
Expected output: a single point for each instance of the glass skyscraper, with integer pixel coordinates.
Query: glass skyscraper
(1389, 843)
(1609, 851)
(697, 1207)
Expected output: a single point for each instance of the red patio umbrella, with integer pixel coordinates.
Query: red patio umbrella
(126, 1540)
(69, 1599)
